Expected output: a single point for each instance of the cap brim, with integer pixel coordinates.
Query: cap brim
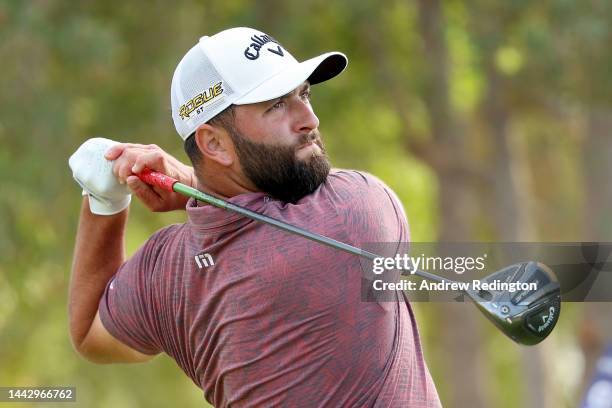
(315, 70)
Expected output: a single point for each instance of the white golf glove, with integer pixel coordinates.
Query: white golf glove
(95, 174)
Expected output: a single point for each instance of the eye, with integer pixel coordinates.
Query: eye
(306, 95)
(279, 104)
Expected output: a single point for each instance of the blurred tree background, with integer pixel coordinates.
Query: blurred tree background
(491, 120)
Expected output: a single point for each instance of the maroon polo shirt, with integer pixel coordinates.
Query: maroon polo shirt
(258, 317)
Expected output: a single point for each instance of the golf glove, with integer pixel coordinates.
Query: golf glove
(95, 175)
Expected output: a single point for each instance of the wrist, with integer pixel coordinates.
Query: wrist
(193, 179)
(188, 176)
(120, 215)
(107, 208)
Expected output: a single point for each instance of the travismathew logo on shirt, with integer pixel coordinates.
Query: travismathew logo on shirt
(258, 41)
(204, 260)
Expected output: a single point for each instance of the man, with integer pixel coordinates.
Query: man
(253, 315)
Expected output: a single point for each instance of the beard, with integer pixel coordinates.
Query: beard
(276, 170)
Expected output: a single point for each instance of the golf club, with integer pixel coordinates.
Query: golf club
(526, 316)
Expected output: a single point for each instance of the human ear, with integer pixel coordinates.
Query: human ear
(214, 144)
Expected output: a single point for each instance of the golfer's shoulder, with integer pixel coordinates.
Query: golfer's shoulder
(169, 235)
(164, 240)
(357, 183)
(371, 210)
(364, 190)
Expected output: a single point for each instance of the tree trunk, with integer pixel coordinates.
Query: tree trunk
(462, 341)
(511, 209)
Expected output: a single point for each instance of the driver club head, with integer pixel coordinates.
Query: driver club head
(527, 316)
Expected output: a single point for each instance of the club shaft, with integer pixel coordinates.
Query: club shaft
(209, 199)
(169, 183)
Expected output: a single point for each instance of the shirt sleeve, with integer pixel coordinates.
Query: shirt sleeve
(127, 309)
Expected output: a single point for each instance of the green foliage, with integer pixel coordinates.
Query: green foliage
(73, 70)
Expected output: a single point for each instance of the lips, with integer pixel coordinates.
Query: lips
(300, 147)
(314, 141)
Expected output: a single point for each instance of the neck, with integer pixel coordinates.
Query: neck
(224, 185)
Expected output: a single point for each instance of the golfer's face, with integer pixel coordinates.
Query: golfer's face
(285, 121)
(278, 145)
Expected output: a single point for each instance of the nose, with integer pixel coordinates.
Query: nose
(305, 119)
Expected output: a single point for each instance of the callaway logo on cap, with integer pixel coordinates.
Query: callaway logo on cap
(239, 66)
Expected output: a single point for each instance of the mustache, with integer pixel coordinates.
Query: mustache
(313, 136)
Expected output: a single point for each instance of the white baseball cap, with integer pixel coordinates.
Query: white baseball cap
(239, 66)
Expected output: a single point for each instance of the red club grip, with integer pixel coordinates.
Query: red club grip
(157, 179)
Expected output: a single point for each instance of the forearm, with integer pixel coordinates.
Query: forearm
(98, 254)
